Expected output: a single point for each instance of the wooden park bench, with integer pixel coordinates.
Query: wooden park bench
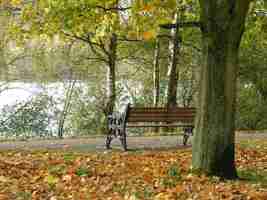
(145, 116)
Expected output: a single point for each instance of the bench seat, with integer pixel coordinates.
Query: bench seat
(139, 117)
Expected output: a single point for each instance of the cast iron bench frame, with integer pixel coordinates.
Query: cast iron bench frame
(133, 116)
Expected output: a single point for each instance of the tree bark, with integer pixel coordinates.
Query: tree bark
(172, 72)
(66, 108)
(222, 29)
(111, 71)
(111, 75)
(156, 73)
(3, 65)
(156, 82)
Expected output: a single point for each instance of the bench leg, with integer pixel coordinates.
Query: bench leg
(123, 140)
(185, 139)
(108, 141)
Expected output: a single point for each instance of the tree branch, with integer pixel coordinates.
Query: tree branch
(113, 9)
(92, 45)
(182, 25)
(102, 46)
(125, 39)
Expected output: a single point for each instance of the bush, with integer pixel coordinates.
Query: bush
(27, 118)
(251, 110)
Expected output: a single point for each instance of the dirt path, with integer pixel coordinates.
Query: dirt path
(94, 144)
(98, 143)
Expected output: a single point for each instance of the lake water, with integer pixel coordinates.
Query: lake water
(21, 91)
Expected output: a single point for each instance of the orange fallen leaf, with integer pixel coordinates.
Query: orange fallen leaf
(148, 35)
(3, 197)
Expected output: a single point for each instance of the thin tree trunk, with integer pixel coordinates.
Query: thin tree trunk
(173, 73)
(213, 143)
(156, 77)
(66, 107)
(111, 76)
(4, 70)
(111, 71)
(156, 73)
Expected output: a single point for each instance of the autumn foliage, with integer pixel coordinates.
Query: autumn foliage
(157, 174)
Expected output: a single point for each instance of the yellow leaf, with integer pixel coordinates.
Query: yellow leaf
(15, 2)
(4, 179)
(149, 35)
(147, 7)
(51, 180)
(132, 35)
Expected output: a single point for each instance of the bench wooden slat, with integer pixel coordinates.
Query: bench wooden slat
(159, 120)
(161, 110)
(136, 115)
(160, 115)
(144, 116)
(158, 125)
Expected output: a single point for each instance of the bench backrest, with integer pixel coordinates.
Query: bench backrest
(160, 114)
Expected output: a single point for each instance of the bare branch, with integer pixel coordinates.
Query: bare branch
(102, 46)
(96, 59)
(114, 9)
(124, 39)
(93, 45)
(182, 25)
(164, 36)
(19, 57)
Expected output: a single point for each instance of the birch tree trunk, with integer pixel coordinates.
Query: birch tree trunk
(214, 140)
(172, 71)
(66, 108)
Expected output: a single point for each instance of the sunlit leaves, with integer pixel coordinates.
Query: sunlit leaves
(15, 2)
(56, 16)
(117, 175)
(11, 3)
(99, 17)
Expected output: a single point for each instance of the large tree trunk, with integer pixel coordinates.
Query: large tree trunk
(213, 143)
(111, 75)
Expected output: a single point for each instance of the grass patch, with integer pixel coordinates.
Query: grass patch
(254, 176)
(174, 171)
(57, 170)
(23, 196)
(172, 178)
(69, 157)
(254, 144)
(248, 144)
(83, 171)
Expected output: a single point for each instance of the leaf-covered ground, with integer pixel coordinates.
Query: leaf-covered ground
(114, 175)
